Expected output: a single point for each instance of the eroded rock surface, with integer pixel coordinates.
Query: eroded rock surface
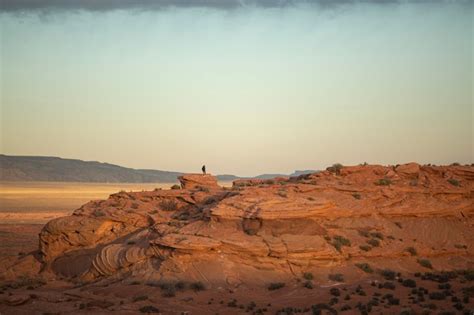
(267, 229)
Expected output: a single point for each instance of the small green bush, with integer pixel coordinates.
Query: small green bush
(454, 182)
(356, 196)
(374, 242)
(175, 186)
(308, 276)
(388, 274)
(276, 286)
(169, 205)
(409, 283)
(308, 284)
(365, 267)
(335, 168)
(149, 309)
(197, 286)
(99, 213)
(383, 182)
(377, 235)
(411, 250)
(363, 233)
(387, 285)
(365, 248)
(169, 292)
(335, 292)
(338, 277)
(437, 296)
(203, 189)
(180, 285)
(425, 263)
(339, 241)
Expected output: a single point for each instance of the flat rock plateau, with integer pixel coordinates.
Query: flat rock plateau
(348, 240)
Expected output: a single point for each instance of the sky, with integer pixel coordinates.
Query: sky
(268, 86)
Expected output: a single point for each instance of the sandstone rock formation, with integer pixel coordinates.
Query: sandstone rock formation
(269, 229)
(190, 181)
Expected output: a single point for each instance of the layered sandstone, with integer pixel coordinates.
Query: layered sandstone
(267, 229)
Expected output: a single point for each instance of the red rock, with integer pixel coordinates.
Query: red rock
(263, 229)
(17, 299)
(192, 181)
(410, 170)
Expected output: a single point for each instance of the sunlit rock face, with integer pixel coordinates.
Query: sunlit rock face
(267, 229)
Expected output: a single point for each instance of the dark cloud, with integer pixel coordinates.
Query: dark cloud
(147, 5)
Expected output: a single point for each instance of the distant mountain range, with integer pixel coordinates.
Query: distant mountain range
(55, 169)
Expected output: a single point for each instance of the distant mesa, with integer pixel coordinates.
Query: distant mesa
(55, 169)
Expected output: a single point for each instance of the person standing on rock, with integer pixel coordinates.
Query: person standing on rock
(204, 169)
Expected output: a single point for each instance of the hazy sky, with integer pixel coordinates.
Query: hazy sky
(245, 89)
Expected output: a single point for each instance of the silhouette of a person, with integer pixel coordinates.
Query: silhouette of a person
(204, 169)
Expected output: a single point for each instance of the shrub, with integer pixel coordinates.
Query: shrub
(365, 267)
(339, 277)
(169, 205)
(210, 200)
(363, 233)
(197, 286)
(444, 286)
(203, 189)
(460, 246)
(365, 248)
(388, 285)
(308, 284)
(169, 292)
(454, 182)
(335, 168)
(437, 295)
(412, 251)
(409, 283)
(335, 291)
(318, 309)
(356, 196)
(149, 309)
(99, 213)
(374, 242)
(339, 241)
(383, 182)
(377, 235)
(175, 186)
(308, 276)
(276, 286)
(180, 285)
(425, 263)
(388, 274)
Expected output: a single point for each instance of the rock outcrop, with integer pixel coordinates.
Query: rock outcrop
(199, 181)
(265, 229)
